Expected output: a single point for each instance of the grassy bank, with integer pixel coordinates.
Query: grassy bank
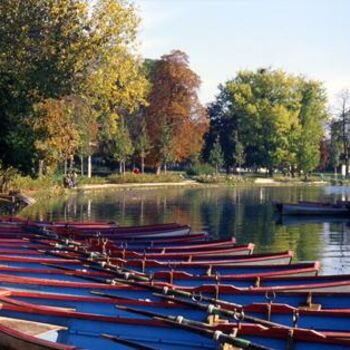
(50, 186)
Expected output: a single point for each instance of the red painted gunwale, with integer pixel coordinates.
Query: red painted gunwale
(164, 274)
(216, 288)
(243, 329)
(235, 259)
(299, 334)
(229, 289)
(77, 273)
(255, 307)
(121, 253)
(208, 245)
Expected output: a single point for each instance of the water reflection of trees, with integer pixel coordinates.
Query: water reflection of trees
(245, 213)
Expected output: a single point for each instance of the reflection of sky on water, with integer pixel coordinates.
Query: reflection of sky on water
(245, 213)
(342, 192)
(336, 248)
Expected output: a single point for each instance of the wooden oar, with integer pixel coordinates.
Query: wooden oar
(214, 310)
(198, 327)
(111, 296)
(121, 272)
(175, 292)
(126, 342)
(85, 277)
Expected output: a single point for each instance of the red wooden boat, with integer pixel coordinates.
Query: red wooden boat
(188, 255)
(267, 336)
(20, 334)
(145, 231)
(98, 244)
(253, 259)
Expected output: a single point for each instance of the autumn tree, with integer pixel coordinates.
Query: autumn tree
(324, 154)
(86, 123)
(173, 101)
(57, 138)
(165, 140)
(115, 85)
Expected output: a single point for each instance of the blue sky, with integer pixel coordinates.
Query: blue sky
(309, 37)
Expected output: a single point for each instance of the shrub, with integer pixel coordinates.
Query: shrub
(210, 179)
(143, 178)
(94, 180)
(200, 169)
(6, 175)
(28, 183)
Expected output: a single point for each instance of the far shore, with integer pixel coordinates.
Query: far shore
(258, 182)
(49, 187)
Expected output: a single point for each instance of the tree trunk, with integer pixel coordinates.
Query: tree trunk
(164, 168)
(271, 171)
(41, 168)
(82, 165)
(124, 171)
(71, 163)
(89, 170)
(142, 165)
(292, 171)
(65, 166)
(120, 167)
(158, 170)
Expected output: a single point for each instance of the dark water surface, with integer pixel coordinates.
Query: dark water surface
(245, 213)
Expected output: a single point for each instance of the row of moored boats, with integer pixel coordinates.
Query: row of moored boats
(71, 285)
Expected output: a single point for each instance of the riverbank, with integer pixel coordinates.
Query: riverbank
(49, 187)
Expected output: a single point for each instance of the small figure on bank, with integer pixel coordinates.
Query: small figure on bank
(66, 181)
(74, 179)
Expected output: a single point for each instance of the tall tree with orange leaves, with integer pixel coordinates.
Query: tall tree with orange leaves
(173, 101)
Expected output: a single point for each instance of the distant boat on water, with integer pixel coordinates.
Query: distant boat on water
(313, 208)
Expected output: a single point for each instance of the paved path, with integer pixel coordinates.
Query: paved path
(136, 185)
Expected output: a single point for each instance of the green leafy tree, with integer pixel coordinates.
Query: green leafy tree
(239, 154)
(335, 147)
(313, 113)
(335, 156)
(42, 56)
(123, 148)
(216, 157)
(341, 126)
(278, 116)
(52, 50)
(143, 144)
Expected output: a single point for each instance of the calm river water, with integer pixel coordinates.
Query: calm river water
(245, 213)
